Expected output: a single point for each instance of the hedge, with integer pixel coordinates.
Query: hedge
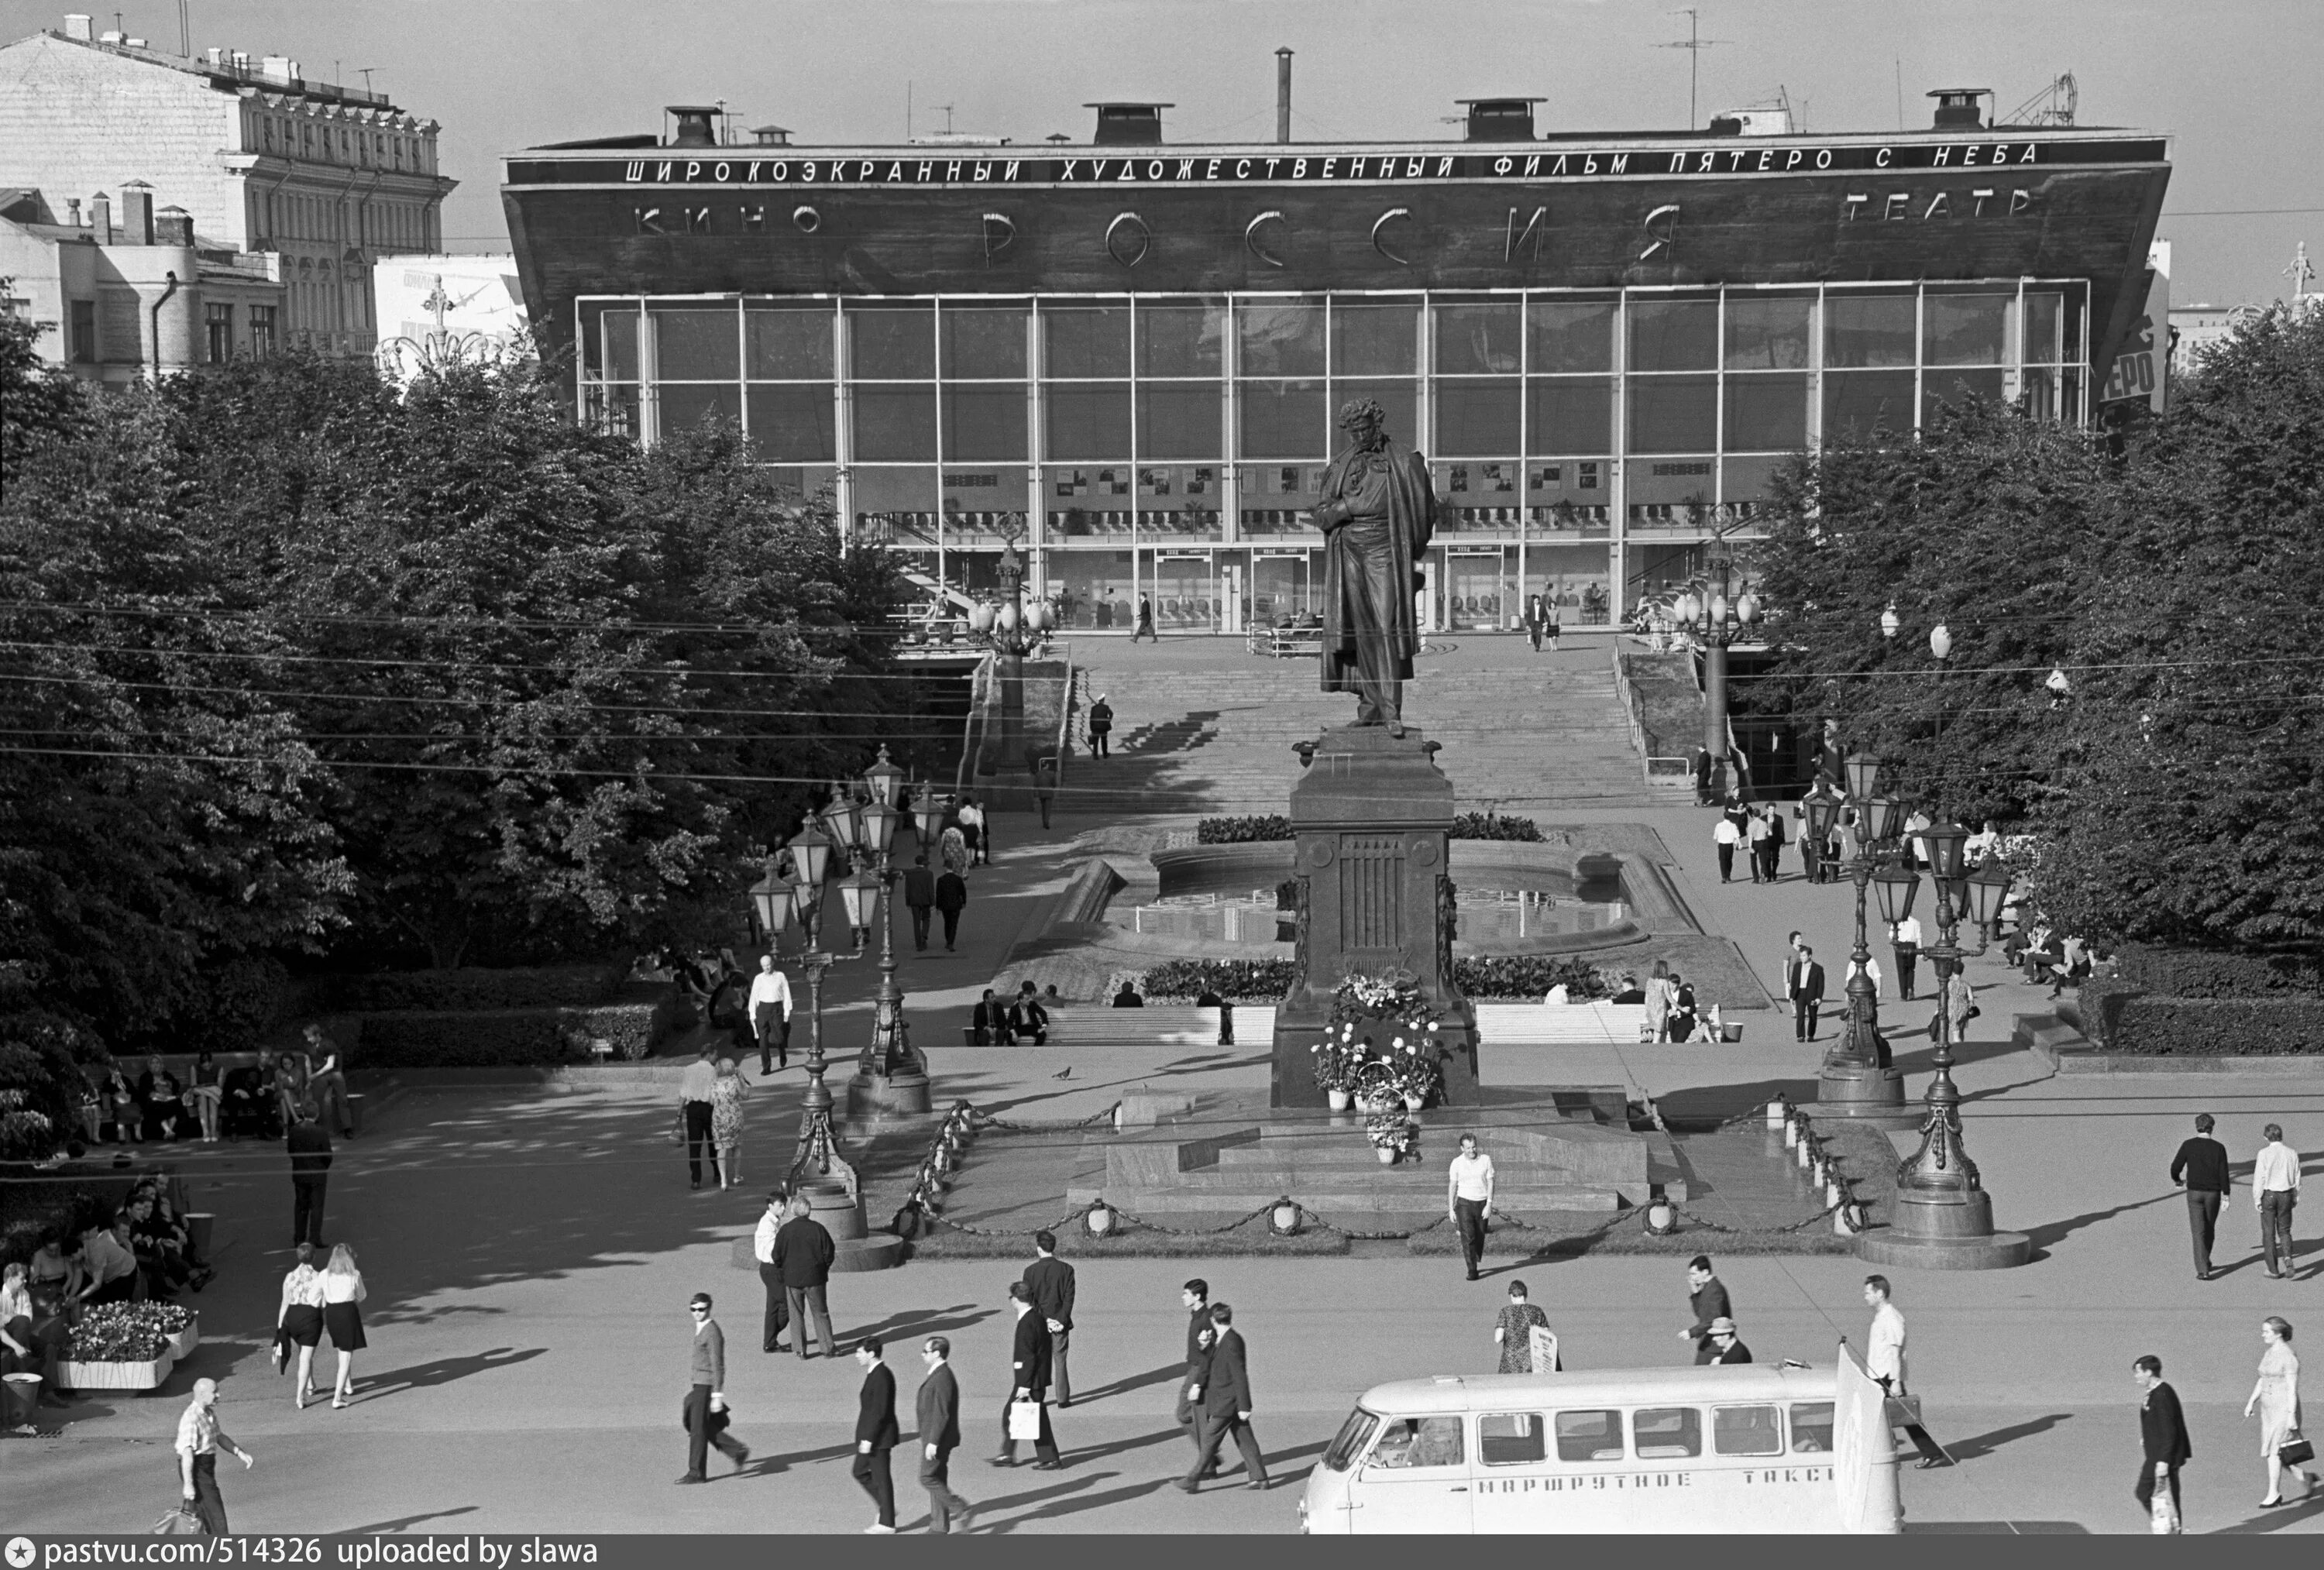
(1525, 977)
(2206, 973)
(2216, 1027)
(445, 991)
(1275, 826)
(496, 1038)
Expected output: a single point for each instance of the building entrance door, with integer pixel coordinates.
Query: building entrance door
(1473, 590)
(1185, 593)
(1283, 587)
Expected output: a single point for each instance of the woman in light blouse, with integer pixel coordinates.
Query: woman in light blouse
(2276, 1399)
(300, 1321)
(342, 1290)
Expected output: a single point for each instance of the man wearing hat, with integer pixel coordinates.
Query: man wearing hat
(200, 1439)
(1725, 1346)
(706, 1411)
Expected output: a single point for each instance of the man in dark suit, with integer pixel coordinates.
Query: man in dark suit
(1051, 1280)
(310, 1161)
(2201, 1165)
(920, 898)
(1196, 1296)
(1029, 1021)
(1707, 1296)
(803, 1255)
(1029, 1382)
(988, 1021)
(876, 1435)
(2162, 1428)
(1804, 985)
(1227, 1407)
(1727, 1346)
(952, 898)
(938, 1410)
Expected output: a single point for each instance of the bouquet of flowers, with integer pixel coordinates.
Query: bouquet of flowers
(127, 1332)
(1388, 1131)
(1413, 1070)
(1338, 1060)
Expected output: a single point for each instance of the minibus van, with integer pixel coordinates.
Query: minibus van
(1753, 1447)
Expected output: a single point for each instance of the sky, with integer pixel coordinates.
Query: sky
(2234, 81)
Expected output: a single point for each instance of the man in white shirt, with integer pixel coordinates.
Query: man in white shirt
(1469, 1198)
(1884, 1360)
(1907, 936)
(770, 1016)
(770, 1276)
(1871, 969)
(2275, 1190)
(200, 1439)
(694, 1109)
(1723, 834)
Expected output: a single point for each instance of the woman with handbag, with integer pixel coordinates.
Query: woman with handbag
(2276, 1399)
(299, 1322)
(343, 1291)
(1513, 1331)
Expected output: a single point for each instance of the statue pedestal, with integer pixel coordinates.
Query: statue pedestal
(1943, 1232)
(1863, 1093)
(1372, 818)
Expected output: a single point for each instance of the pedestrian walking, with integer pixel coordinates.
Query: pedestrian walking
(1774, 844)
(1052, 1282)
(1513, 1333)
(937, 1410)
(1537, 618)
(920, 899)
(200, 1440)
(310, 1165)
(1144, 621)
(696, 1089)
(1195, 1298)
(771, 1014)
(2201, 1166)
(1724, 835)
(1100, 727)
(876, 1435)
(1725, 1345)
(1227, 1407)
(1804, 985)
(1758, 835)
(974, 828)
(342, 1295)
(1706, 1295)
(727, 1093)
(2275, 1399)
(705, 1413)
(952, 898)
(2166, 1449)
(770, 1274)
(1469, 1198)
(1029, 1386)
(299, 1323)
(1871, 969)
(1551, 628)
(2275, 1190)
(1884, 1360)
(803, 1255)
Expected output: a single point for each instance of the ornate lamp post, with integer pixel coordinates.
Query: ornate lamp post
(891, 1079)
(1013, 628)
(1943, 1217)
(1718, 618)
(1856, 1079)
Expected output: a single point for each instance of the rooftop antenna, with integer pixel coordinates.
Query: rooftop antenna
(1694, 45)
(947, 115)
(1900, 92)
(908, 111)
(2054, 105)
(185, 33)
(364, 72)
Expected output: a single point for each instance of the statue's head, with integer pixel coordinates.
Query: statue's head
(1363, 419)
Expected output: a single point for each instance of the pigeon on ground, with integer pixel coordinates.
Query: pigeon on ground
(1064, 1073)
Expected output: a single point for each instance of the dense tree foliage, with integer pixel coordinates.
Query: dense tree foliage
(302, 662)
(2174, 573)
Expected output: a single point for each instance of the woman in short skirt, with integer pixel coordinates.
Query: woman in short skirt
(299, 1322)
(343, 1292)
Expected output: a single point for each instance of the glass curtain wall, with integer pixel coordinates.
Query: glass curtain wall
(1174, 446)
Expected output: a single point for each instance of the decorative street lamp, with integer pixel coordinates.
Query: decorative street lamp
(1719, 617)
(1013, 628)
(1943, 1216)
(1857, 1080)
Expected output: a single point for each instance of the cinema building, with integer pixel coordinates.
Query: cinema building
(1127, 355)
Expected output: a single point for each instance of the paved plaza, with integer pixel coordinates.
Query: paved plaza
(530, 1251)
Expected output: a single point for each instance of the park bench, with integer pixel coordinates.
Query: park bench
(1519, 1024)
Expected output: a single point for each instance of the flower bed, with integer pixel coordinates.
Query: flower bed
(129, 1333)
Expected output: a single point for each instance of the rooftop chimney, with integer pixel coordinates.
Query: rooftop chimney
(137, 213)
(695, 124)
(77, 26)
(217, 55)
(1957, 109)
(279, 67)
(173, 227)
(1283, 95)
(772, 136)
(1500, 119)
(100, 218)
(1128, 124)
(73, 211)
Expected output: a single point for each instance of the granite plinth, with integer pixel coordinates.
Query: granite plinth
(1864, 1093)
(1943, 1230)
(877, 1097)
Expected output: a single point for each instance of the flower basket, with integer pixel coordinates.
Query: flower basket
(116, 1376)
(1392, 1137)
(1339, 1100)
(1388, 1155)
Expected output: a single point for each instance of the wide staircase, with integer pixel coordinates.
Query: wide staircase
(1202, 727)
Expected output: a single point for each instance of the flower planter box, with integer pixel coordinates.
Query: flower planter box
(118, 1376)
(186, 1340)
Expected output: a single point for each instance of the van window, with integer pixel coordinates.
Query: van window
(1811, 1428)
(1353, 1435)
(1746, 1431)
(1665, 1433)
(1588, 1435)
(1408, 1442)
(1510, 1439)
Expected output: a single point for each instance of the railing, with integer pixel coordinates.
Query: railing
(1654, 770)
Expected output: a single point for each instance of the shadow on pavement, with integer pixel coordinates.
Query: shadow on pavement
(404, 1523)
(2050, 1233)
(445, 1369)
(1123, 1386)
(1054, 1491)
(2281, 1519)
(1981, 1444)
(913, 1323)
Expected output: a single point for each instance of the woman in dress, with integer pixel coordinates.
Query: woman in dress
(289, 1088)
(299, 1322)
(343, 1291)
(2276, 1399)
(952, 849)
(206, 1094)
(121, 1111)
(1513, 1332)
(1659, 993)
(726, 1095)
